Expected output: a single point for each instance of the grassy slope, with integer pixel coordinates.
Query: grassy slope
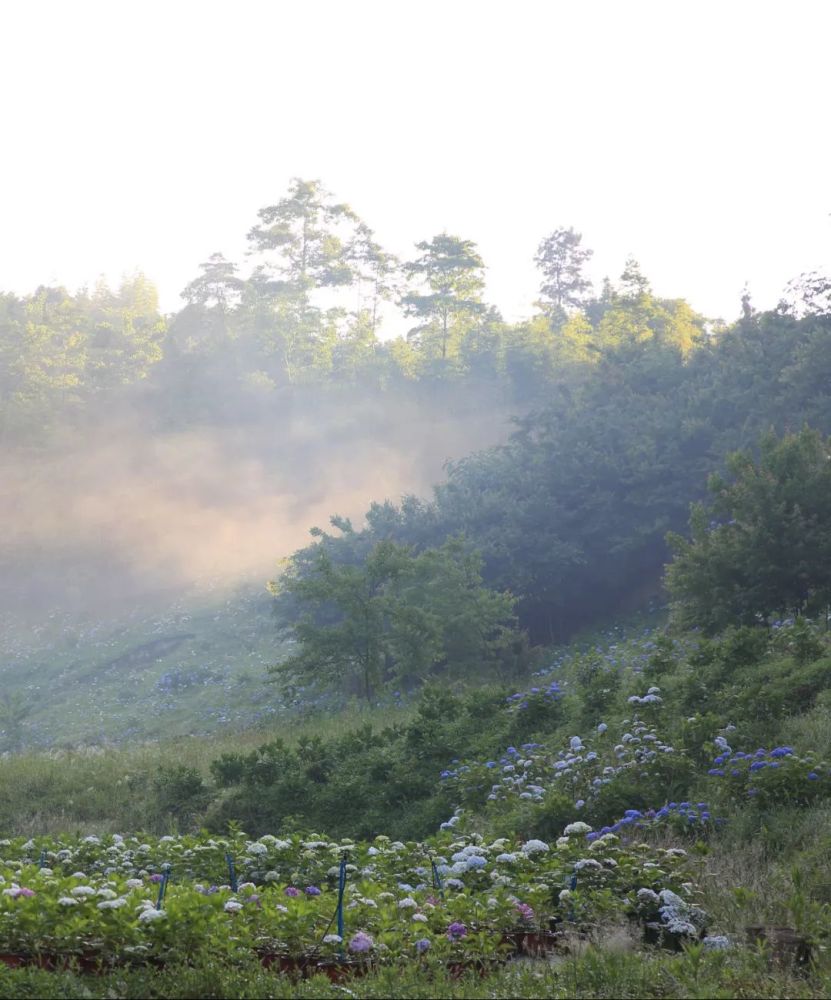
(195, 668)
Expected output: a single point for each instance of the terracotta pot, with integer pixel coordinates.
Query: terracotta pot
(339, 972)
(536, 943)
(456, 969)
(787, 946)
(287, 965)
(512, 942)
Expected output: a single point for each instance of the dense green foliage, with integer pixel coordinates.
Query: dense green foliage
(404, 779)
(396, 617)
(577, 505)
(763, 545)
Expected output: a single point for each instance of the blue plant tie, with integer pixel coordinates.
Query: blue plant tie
(232, 872)
(341, 891)
(42, 863)
(163, 886)
(572, 886)
(437, 883)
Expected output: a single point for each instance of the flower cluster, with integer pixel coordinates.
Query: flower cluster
(769, 777)
(453, 896)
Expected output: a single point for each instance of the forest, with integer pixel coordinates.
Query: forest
(335, 600)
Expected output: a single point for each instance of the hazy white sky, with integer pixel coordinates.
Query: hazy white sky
(691, 134)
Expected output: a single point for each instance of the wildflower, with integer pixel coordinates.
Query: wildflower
(361, 942)
(456, 931)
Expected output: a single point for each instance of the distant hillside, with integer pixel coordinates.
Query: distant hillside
(196, 668)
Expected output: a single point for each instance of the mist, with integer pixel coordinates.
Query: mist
(118, 512)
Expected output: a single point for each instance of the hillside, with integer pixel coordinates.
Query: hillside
(194, 668)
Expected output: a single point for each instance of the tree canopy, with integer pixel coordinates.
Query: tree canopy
(762, 545)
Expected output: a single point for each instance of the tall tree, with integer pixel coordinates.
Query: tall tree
(299, 239)
(561, 258)
(217, 286)
(451, 274)
(375, 272)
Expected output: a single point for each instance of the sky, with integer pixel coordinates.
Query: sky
(692, 135)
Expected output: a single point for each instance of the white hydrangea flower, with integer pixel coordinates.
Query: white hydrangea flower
(67, 901)
(716, 942)
(149, 915)
(112, 904)
(576, 828)
(534, 847)
(232, 906)
(83, 890)
(407, 903)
